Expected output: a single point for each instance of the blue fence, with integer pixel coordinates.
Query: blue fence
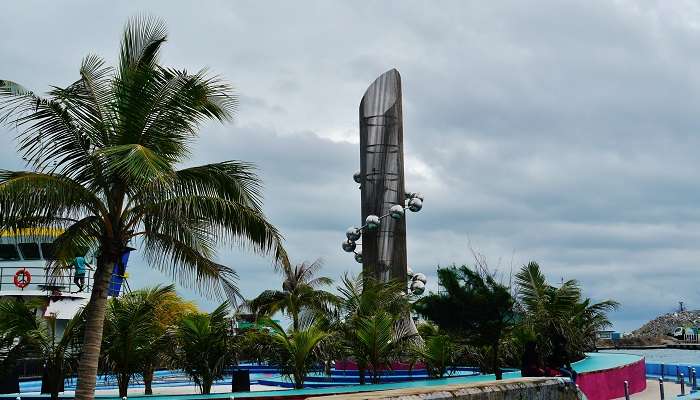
(671, 371)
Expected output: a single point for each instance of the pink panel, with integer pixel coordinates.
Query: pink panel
(609, 384)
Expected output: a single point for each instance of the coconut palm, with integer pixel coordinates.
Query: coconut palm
(29, 334)
(369, 316)
(558, 318)
(128, 328)
(375, 342)
(134, 339)
(439, 353)
(168, 308)
(300, 296)
(103, 156)
(201, 346)
(295, 350)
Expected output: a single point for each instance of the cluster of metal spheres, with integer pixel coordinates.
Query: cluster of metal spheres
(417, 282)
(413, 202)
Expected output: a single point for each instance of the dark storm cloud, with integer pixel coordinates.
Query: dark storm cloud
(562, 131)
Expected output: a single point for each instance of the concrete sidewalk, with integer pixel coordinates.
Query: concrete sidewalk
(652, 392)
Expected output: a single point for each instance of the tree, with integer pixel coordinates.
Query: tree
(439, 354)
(128, 328)
(201, 345)
(104, 153)
(474, 306)
(168, 308)
(369, 315)
(559, 319)
(28, 334)
(135, 339)
(376, 343)
(300, 295)
(295, 350)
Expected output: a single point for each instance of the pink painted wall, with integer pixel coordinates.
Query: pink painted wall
(609, 383)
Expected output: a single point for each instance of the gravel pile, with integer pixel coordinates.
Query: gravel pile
(664, 324)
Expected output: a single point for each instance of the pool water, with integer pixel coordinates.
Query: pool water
(594, 361)
(664, 356)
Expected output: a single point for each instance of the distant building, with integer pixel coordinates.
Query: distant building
(607, 335)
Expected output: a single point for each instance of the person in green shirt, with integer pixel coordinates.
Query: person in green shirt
(80, 266)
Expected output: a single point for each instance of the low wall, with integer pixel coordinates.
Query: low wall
(671, 371)
(509, 389)
(608, 384)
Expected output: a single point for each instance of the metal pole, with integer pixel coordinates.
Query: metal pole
(662, 371)
(627, 390)
(682, 385)
(661, 388)
(694, 380)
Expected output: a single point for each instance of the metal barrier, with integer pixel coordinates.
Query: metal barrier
(42, 279)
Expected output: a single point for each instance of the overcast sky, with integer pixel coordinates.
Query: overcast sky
(564, 132)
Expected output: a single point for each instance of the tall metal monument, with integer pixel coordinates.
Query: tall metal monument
(381, 179)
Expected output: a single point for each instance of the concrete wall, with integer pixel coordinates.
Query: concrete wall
(509, 389)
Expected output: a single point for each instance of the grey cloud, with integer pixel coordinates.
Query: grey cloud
(562, 131)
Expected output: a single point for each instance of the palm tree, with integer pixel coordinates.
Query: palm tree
(31, 334)
(202, 346)
(439, 354)
(295, 350)
(300, 296)
(369, 316)
(134, 339)
(559, 319)
(126, 332)
(168, 309)
(376, 343)
(103, 154)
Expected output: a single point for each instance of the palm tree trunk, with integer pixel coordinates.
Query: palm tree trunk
(496, 363)
(298, 380)
(361, 372)
(95, 315)
(206, 385)
(148, 380)
(55, 378)
(123, 384)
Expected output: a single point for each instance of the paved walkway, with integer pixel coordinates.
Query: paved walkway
(652, 392)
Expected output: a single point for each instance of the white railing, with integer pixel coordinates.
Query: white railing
(690, 338)
(40, 279)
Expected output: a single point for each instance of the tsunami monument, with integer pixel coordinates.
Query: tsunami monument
(383, 195)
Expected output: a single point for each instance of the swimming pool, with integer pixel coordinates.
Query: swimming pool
(261, 375)
(594, 364)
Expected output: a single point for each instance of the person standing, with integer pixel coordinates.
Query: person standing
(80, 266)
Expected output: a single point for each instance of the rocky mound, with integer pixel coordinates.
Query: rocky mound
(664, 324)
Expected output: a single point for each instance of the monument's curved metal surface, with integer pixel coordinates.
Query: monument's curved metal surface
(382, 178)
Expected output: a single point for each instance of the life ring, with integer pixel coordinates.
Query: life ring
(22, 278)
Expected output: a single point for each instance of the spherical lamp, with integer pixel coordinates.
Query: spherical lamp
(396, 211)
(415, 204)
(420, 277)
(357, 177)
(417, 288)
(353, 234)
(372, 222)
(349, 246)
(358, 256)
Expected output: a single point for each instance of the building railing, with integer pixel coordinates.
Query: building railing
(41, 278)
(690, 338)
